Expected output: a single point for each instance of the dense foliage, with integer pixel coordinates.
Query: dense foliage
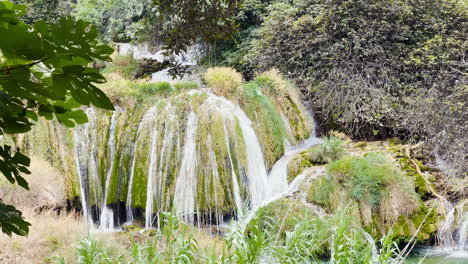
(376, 67)
(117, 20)
(48, 10)
(43, 72)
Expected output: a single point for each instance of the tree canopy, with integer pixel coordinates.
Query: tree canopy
(375, 67)
(43, 73)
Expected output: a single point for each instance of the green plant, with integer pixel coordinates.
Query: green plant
(349, 243)
(181, 86)
(323, 192)
(156, 88)
(334, 51)
(90, 252)
(224, 81)
(128, 67)
(146, 253)
(367, 178)
(43, 72)
(273, 83)
(331, 149)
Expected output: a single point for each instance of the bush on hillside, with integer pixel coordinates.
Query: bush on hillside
(371, 178)
(331, 149)
(128, 67)
(181, 86)
(224, 81)
(376, 67)
(273, 83)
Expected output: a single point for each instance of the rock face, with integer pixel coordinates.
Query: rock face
(204, 156)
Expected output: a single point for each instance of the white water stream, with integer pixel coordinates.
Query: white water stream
(107, 215)
(145, 121)
(185, 190)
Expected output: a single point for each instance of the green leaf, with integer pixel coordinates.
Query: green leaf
(12, 221)
(12, 165)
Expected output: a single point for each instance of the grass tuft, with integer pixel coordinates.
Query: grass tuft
(224, 81)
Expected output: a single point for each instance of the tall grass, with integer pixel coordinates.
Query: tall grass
(368, 178)
(331, 149)
(334, 239)
(224, 81)
(124, 65)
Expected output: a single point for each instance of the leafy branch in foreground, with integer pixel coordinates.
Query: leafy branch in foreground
(43, 73)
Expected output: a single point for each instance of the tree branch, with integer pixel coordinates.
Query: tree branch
(25, 66)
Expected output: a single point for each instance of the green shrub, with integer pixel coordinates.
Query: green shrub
(273, 83)
(125, 65)
(366, 178)
(323, 191)
(224, 81)
(91, 252)
(148, 89)
(331, 149)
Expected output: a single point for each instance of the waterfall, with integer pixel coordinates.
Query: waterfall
(143, 123)
(81, 146)
(445, 231)
(278, 176)
(151, 175)
(198, 154)
(453, 234)
(236, 189)
(85, 159)
(107, 215)
(185, 190)
(463, 232)
(216, 178)
(257, 180)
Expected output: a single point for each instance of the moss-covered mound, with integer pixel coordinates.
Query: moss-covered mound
(383, 196)
(201, 152)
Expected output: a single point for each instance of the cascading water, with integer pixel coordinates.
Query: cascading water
(202, 159)
(145, 121)
(462, 238)
(453, 231)
(81, 148)
(278, 176)
(257, 180)
(107, 215)
(185, 189)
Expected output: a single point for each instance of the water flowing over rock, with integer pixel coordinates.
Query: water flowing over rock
(196, 154)
(453, 231)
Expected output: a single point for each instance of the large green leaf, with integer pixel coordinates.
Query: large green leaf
(43, 72)
(12, 221)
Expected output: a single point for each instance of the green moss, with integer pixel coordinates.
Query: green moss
(407, 226)
(268, 124)
(125, 65)
(331, 149)
(298, 164)
(420, 183)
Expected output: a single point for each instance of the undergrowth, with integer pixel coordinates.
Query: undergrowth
(333, 239)
(127, 66)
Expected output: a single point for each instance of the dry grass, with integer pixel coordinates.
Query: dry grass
(224, 81)
(275, 85)
(46, 186)
(50, 235)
